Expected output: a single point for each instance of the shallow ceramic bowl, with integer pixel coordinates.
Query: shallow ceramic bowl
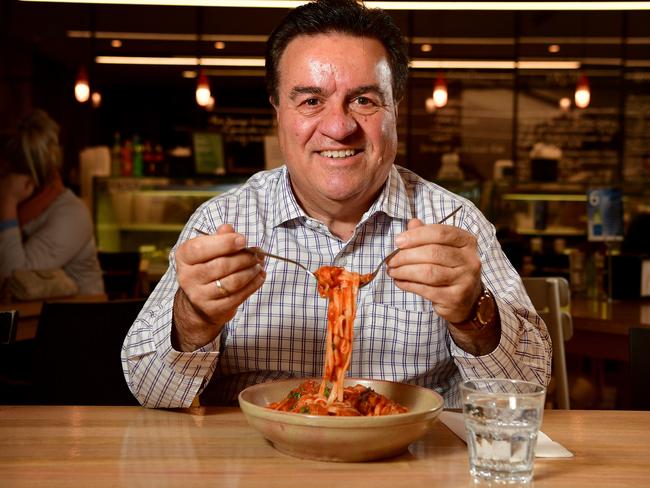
(344, 439)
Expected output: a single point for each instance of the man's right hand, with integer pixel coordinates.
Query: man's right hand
(201, 307)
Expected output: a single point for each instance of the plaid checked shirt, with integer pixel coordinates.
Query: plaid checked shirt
(279, 332)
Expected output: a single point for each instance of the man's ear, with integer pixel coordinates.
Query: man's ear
(274, 105)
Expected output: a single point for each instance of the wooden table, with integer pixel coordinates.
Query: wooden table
(602, 328)
(29, 312)
(207, 447)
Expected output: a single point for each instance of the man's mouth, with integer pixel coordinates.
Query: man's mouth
(342, 153)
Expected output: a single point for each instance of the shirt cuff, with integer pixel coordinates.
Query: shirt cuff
(496, 362)
(199, 363)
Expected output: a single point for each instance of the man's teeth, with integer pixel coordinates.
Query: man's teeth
(338, 154)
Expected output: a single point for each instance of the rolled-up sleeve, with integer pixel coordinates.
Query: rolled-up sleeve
(524, 351)
(157, 374)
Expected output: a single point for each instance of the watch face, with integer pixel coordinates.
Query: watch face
(485, 309)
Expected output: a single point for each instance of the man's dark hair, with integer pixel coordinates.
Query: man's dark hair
(341, 16)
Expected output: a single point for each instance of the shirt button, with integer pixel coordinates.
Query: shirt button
(343, 261)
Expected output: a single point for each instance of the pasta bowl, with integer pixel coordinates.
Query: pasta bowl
(342, 439)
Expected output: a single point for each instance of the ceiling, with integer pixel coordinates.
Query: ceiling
(63, 34)
(43, 44)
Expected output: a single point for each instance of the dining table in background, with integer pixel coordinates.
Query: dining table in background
(599, 351)
(601, 328)
(74, 446)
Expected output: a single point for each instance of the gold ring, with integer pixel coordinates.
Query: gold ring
(221, 287)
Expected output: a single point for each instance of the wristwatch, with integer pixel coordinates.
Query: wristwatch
(484, 313)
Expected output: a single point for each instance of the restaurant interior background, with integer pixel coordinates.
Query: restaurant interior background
(503, 130)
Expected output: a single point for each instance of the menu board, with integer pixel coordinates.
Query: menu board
(243, 137)
(588, 140)
(637, 136)
(476, 124)
(605, 214)
(208, 153)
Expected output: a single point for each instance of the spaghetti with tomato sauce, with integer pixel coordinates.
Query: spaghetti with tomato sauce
(341, 287)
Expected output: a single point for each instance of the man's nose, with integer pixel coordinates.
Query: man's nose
(338, 122)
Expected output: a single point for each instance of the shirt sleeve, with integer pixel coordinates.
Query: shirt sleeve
(157, 374)
(524, 351)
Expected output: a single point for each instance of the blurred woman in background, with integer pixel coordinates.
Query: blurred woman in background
(43, 225)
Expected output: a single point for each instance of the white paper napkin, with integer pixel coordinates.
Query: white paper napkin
(546, 447)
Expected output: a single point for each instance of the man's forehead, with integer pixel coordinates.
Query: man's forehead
(307, 59)
(303, 41)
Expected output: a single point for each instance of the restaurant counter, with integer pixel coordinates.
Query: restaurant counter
(69, 446)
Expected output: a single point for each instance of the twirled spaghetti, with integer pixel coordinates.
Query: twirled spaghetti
(340, 287)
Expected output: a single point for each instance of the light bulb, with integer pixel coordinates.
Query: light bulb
(565, 103)
(202, 90)
(96, 99)
(440, 92)
(583, 93)
(429, 105)
(82, 87)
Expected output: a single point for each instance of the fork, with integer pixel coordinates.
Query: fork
(365, 278)
(371, 276)
(257, 250)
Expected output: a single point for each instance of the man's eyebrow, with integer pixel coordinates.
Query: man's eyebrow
(302, 90)
(368, 89)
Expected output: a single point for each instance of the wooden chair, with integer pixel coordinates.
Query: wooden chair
(121, 273)
(551, 297)
(639, 368)
(77, 353)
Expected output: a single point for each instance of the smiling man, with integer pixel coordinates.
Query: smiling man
(449, 305)
(336, 125)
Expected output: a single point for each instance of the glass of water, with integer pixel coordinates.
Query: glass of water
(502, 418)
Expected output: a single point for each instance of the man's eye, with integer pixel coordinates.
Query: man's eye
(364, 105)
(312, 102)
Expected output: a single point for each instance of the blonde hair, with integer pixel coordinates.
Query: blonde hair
(33, 149)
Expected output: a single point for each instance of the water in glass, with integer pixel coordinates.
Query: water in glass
(502, 434)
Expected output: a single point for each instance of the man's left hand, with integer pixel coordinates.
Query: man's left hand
(440, 263)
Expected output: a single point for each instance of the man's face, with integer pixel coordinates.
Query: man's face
(336, 119)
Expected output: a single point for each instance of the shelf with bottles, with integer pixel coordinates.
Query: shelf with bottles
(149, 211)
(136, 157)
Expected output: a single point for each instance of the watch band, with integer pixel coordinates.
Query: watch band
(484, 313)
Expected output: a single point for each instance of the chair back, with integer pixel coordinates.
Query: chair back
(121, 273)
(77, 357)
(639, 368)
(551, 298)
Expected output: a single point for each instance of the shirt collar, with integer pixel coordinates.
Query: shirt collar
(393, 200)
(286, 206)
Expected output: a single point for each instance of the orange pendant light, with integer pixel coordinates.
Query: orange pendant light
(583, 92)
(202, 90)
(82, 86)
(440, 94)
